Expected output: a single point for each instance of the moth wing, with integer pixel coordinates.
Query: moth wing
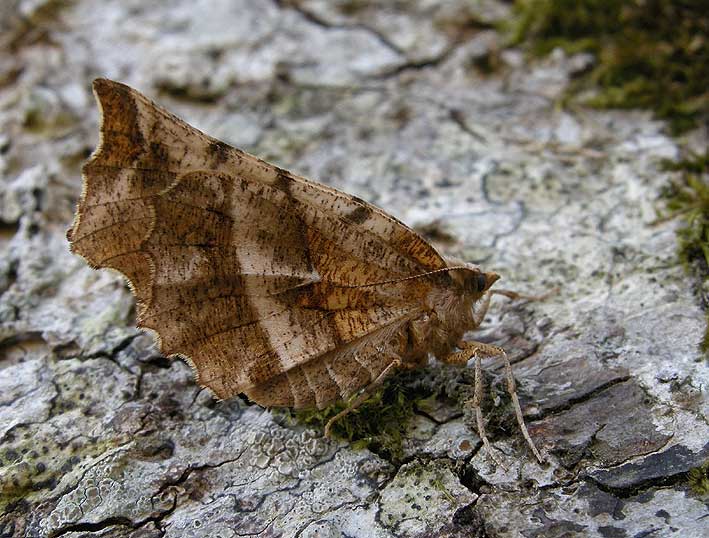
(242, 267)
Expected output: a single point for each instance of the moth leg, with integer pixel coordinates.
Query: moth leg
(366, 393)
(479, 350)
(479, 316)
(512, 389)
(470, 349)
(477, 399)
(467, 351)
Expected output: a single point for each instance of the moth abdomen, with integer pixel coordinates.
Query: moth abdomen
(334, 375)
(317, 383)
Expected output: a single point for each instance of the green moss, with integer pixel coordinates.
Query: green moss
(699, 480)
(649, 54)
(380, 422)
(688, 198)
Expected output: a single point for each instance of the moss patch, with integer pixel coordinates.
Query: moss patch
(699, 480)
(380, 422)
(649, 54)
(688, 198)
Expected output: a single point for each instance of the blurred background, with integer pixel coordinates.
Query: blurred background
(561, 144)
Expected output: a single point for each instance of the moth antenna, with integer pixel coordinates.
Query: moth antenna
(397, 280)
(516, 296)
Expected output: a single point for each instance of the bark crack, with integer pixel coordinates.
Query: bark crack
(574, 401)
(321, 22)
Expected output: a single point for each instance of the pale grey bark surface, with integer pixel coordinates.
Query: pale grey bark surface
(100, 436)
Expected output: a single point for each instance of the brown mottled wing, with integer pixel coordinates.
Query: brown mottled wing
(240, 266)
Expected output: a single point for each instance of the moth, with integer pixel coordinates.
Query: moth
(266, 283)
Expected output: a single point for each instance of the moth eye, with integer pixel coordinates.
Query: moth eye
(480, 281)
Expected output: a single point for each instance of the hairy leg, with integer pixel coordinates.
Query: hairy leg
(478, 350)
(366, 393)
(512, 390)
(477, 400)
(479, 316)
(470, 349)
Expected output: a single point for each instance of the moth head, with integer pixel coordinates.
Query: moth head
(473, 281)
(478, 282)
